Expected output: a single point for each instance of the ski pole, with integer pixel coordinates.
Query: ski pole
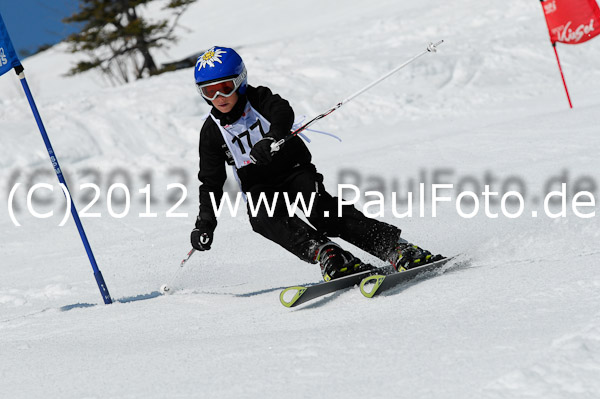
(166, 288)
(431, 48)
(189, 255)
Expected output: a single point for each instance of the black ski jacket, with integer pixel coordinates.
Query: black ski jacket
(214, 154)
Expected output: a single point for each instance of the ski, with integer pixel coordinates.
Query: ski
(303, 294)
(376, 283)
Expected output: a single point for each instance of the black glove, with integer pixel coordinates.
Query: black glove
(202, 236)
(261, 152)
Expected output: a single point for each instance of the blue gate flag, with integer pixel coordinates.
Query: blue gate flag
(8, 56)
(9, 60)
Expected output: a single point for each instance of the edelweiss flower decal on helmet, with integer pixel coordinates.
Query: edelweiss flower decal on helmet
(210, 57)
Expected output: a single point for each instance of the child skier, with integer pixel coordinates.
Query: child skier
(243, 123)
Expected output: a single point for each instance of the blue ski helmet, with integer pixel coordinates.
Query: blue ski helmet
(218, 64)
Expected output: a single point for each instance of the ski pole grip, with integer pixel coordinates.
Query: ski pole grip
(432, 48)
(277, 145)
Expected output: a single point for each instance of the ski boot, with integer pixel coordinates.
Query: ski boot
(336, 263)
(407, 256)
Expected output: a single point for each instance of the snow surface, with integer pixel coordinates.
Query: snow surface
(520, 320)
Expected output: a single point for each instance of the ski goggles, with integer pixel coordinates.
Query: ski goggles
(225, 87)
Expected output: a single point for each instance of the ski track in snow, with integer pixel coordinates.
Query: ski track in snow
(519, 319)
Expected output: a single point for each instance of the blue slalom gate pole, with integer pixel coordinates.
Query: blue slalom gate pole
(9, 60)
(61, 179)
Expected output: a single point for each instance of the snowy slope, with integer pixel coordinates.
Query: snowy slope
(521, 320)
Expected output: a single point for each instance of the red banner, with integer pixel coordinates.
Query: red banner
(572, 21)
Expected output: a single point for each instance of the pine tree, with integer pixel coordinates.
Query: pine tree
(118, 39)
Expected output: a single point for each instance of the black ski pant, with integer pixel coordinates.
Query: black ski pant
(300, 238)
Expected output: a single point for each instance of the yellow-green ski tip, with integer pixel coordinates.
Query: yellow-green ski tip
(372, 282)
(291, 302)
